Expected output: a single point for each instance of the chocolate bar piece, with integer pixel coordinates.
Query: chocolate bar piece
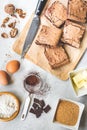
(38, 112)
(73, 34)
(38, 107)
(48, 36)
(47, 109)
(32, 111)
(56, 13)
(36, 100)
(42, 103)
(35, 106)
(77, 11)
(56, 57)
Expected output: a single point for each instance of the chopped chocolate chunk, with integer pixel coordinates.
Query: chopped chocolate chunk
(10, 9)
(73, 34)
(56, 13)
(35, 106)
(38, 107)
(38, 112)
(36, 100)
(39, 102)
(12, 25)
(42, 103)
(13, 32)
(77, 11)
(47, 109)
(4, 35)
(32, 110)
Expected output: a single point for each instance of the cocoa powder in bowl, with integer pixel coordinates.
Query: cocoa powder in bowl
(32, 80)
(33, 83)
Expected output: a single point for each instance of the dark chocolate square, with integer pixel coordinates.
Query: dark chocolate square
(47, 109)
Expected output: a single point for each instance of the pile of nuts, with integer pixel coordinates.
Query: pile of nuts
(13, 12)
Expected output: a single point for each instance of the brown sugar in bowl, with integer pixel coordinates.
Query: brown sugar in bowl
(67, 113)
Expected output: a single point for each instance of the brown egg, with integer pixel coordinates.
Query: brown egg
(4, 78)
(12, 66)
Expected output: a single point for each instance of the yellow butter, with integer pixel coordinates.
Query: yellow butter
(79, 80)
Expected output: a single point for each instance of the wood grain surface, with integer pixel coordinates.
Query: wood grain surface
(36, 52)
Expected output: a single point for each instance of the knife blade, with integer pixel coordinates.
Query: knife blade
(33, 27)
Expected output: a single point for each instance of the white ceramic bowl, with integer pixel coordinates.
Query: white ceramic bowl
(81, 108)
(78, 92)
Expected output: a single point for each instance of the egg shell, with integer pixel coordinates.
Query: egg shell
(4, 78)
(12, 66)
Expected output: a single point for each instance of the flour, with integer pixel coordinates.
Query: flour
(8, 106)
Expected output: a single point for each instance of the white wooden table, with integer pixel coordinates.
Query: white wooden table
(59, 88)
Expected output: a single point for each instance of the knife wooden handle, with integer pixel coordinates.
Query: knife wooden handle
(40, 6)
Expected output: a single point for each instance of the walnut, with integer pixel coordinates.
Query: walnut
(5, 21)
(12, 25)
(13, 32)
(4, 35)
(10, 9)
(3, 25)
(21, 13)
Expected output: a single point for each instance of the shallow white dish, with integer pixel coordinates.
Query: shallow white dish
(78, 92)
(81, 108)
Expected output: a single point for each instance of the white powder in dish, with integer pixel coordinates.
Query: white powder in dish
(8, 106)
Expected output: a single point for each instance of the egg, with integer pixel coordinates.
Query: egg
(4, 78)
(12, 66)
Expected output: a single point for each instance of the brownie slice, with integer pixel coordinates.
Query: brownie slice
(56, 13)
(56, 57)
(73, 34)
(48, 36)
(77, 10)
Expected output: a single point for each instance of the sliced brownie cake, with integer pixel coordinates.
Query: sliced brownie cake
(77, 11)
(56, 57)
(73, 34)
(48, 36)
(56, 13)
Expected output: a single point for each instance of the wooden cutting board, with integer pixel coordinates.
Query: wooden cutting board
(36, 52)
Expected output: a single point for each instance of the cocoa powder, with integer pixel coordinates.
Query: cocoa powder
(32, 80)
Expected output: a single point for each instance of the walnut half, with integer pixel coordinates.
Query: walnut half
(12, 25)
(13, 32)
(9, 9)
(4, 35)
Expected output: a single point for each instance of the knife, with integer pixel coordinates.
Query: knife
(33, 27)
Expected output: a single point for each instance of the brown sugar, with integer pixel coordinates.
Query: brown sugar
(67, 113)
